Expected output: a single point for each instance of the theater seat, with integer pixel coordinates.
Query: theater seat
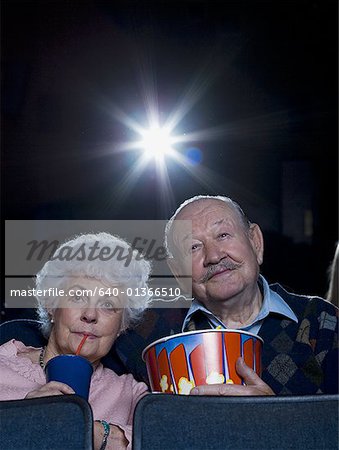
(47, 423)
(178, 422)
(24, 330)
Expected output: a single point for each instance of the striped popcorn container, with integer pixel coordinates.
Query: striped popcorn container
(175, 364)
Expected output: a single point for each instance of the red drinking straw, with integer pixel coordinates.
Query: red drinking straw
(81, 344)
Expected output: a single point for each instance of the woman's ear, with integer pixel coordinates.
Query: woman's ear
(51, 315)
(257, 242)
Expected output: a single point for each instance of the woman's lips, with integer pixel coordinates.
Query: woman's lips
(84, 333)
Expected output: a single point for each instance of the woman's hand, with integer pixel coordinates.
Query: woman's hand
(51, 388)
(116, 439)
(253, 384)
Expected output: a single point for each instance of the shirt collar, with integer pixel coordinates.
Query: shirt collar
(272, 303)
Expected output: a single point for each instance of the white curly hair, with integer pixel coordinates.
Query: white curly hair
(118, 265)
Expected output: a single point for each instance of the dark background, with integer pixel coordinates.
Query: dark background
(262, 75)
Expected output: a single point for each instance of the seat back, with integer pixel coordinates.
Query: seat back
(178, 422)
(46, 423)
(24, 330)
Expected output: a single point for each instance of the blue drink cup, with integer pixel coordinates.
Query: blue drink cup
(73, 370)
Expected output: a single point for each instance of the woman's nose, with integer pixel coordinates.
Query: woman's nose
(89, 315)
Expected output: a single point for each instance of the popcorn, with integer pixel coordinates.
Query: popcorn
(176, 364)
(163, 383)
(185, 386)
(215, 378)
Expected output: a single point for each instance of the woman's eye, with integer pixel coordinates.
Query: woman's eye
(78, 300)
(107, 305)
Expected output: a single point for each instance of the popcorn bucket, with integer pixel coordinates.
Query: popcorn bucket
(175, 364)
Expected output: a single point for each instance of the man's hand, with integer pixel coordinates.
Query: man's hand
(51, 388)
(254, 384)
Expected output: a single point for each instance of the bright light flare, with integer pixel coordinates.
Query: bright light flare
(156, 142)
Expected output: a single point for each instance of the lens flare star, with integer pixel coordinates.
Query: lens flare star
(157, 142)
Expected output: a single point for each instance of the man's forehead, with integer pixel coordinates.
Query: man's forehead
(187, 233)
(208, 216)
(181, 230)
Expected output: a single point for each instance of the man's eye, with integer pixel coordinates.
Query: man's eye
(222, 235)
(195, 247)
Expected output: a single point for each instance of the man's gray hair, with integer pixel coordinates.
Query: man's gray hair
(168, 241)
(111, 271)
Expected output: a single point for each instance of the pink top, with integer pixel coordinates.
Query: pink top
(112, 397)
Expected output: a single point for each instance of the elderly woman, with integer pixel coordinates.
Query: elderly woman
(92, 275)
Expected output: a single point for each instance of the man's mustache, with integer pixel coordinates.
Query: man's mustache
(222, 265)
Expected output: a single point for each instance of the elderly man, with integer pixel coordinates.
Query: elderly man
(225, 251)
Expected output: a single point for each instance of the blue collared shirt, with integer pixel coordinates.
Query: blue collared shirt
(272, 303)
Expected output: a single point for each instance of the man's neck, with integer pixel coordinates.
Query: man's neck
(239, 311)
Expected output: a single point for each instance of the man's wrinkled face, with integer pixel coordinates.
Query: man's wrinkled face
(225, 253)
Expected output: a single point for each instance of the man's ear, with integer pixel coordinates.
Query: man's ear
(257, 241)
(178, 271)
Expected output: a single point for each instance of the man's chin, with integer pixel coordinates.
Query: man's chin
(220, 293)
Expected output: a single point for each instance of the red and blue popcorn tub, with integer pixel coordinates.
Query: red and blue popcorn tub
(177, 363)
